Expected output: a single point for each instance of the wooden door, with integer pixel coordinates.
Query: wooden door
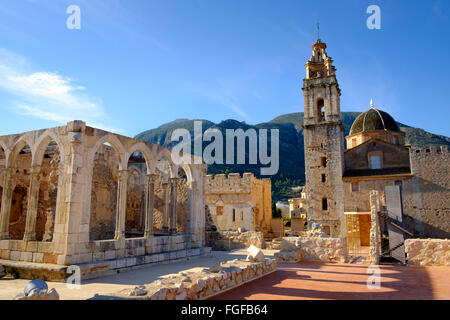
(364, 229)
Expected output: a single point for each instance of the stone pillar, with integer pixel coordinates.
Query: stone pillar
(33, 203)
(121, 207)
(173, 205)
(149, 203)
(165, 227)
(8, 189)
(374, 251)
(189, 213)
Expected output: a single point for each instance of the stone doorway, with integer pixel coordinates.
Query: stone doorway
(358, 233)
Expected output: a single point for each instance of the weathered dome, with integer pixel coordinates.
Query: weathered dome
(373, 120)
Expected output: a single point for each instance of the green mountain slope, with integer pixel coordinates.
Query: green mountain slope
(292, 167)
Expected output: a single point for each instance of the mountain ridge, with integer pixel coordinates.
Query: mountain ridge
(291, 149)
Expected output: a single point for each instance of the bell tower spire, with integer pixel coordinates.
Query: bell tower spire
(324, 143)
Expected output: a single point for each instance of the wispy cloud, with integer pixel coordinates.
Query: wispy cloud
(46, 95)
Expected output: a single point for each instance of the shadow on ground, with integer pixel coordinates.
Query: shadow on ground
(311, 280)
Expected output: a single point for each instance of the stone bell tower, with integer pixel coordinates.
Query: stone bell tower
(324, 143)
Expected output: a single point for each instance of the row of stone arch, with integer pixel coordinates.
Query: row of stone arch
(31, 167)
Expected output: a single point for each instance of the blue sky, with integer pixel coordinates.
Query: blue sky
(136, 64)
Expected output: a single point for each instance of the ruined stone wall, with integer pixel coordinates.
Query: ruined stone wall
(428, 252)
(229, 240)
(134, 222)
(104, 194)
(426, 197)
(182, 204)
(47, 197)
(201, 284)
(71, 198)
(359, 201)
(261, 196)
(104, 198)
(320, 249)
(48, 192)
(248, 197)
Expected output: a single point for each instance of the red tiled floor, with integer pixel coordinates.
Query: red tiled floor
(311, 280)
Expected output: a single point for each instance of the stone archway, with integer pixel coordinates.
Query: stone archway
(48, 192)
(135, 206)
(19, 200)
(105, 174)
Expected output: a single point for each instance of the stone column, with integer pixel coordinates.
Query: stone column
(173, 205)
(121, 207)
(8, 189)
(165, 227)
(374, 251)
(149, 203)
(189, 214)
(33, 203)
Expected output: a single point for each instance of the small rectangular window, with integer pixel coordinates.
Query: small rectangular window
(324, 162)
(234, 215)
(355, 186)
(324, 204)
(398, 182)
(375, 162)
(324, 178)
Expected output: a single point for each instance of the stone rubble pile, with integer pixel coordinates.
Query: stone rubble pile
(312, 249)
(316, 233)
(275, 244)
(289, 252)
(255, 254)
(246, 238)
(237, 239)
(428, 252)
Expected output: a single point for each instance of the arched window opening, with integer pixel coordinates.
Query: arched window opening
(161, 205)
(19, 204)
(135, 208)
(320, 109)
(48, 191)
(104, 193)
(182, 201)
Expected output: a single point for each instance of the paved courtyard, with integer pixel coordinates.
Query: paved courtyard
(310, 280)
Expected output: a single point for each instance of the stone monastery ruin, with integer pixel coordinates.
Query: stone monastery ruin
(76, 195)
